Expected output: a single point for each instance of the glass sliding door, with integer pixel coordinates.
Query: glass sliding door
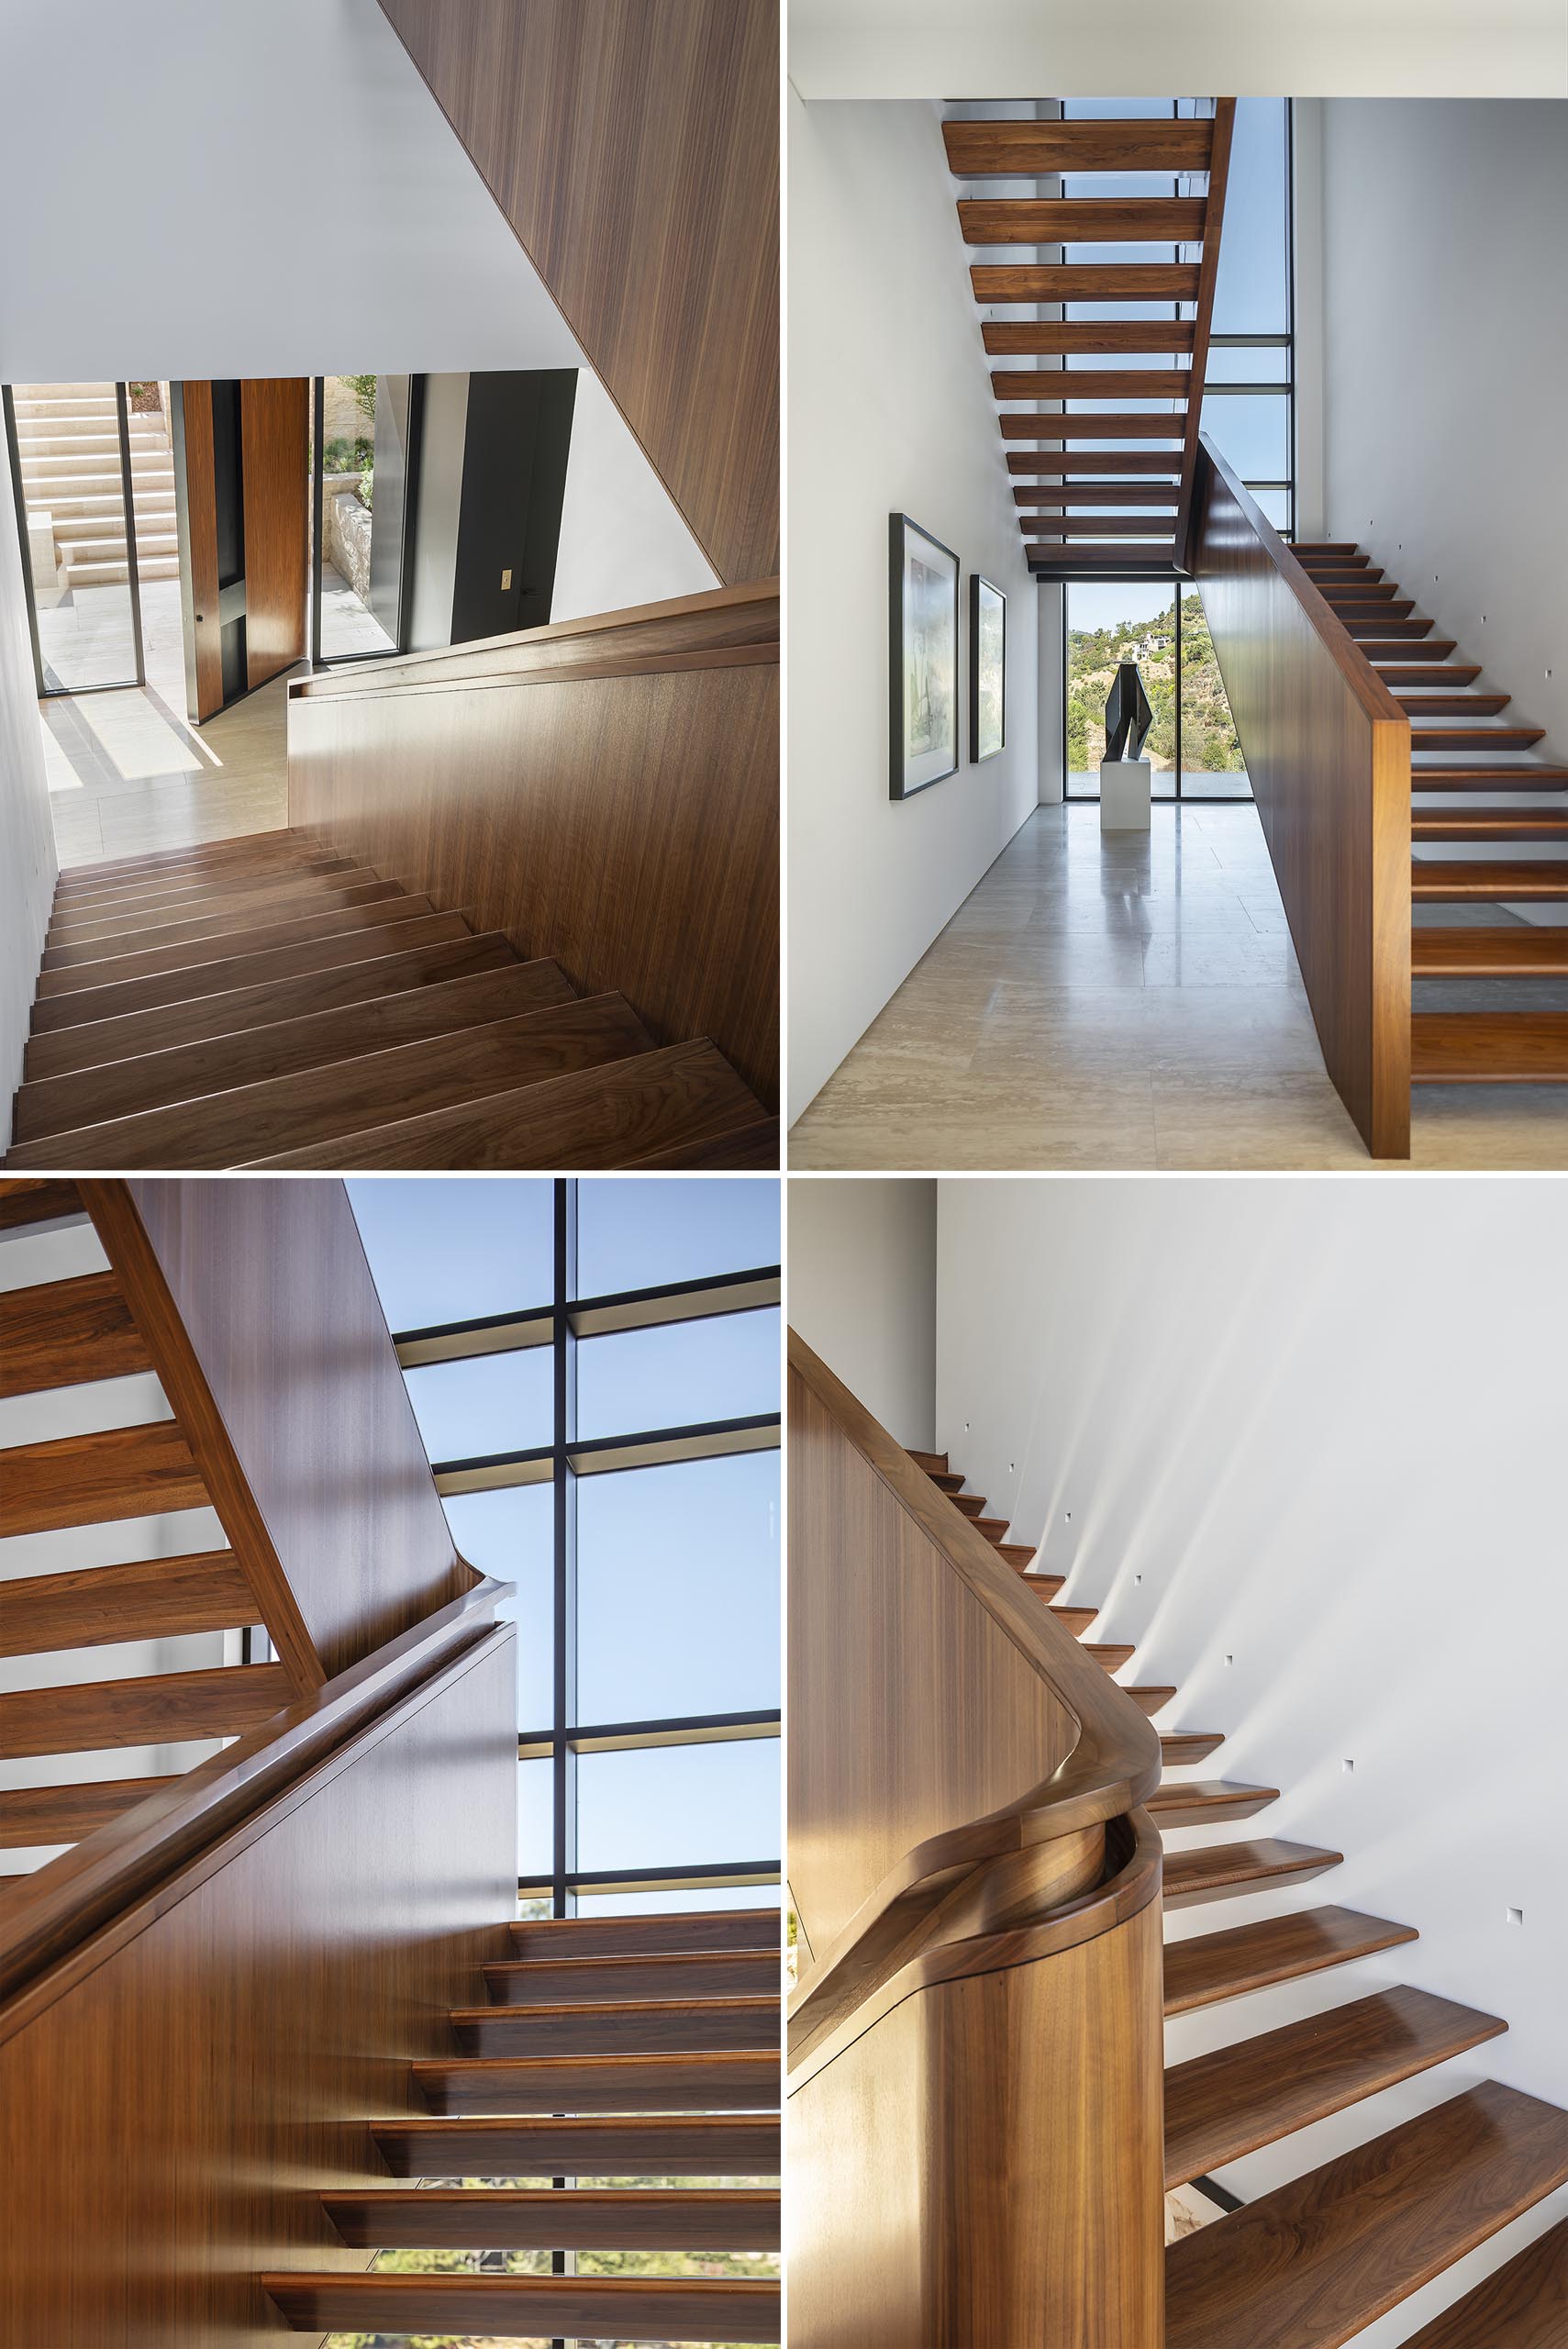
(70, 450)
(364, 445)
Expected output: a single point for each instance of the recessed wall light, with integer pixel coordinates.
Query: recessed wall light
(1516, 1916)
(1230, 1659)
(1348, 1768)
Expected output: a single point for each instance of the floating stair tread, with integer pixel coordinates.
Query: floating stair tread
(1219, 1869)
(1085, 281)
(1436, 703)
(972, 1503)
(947, 1481)
(1231, 2101)
(1042, 340)
(666, 2218)
(1516, 952)
(1029, 149)
(221, 948)
(1213, 1966)
(1429, 648)
(1075, 1621)
(1081, 220)
(1313, 2263)
(617, 2308)
(1194, 1803)
(92, 1043)
(65, 1814)
(108, 946)
(64, 1333)
(89, 1479)
(156, 1710)
(935, 1464)
(1522, 2306)
(1489, 823)
(26, 1203)
(1110, 1655)
(523, 1982)
(731, 2082)
(154, 1598)
(993, 1527)
(1439, 879)
(1489, 1047)
(322, 1110)
(1184, 1746)
(581, 2025)
(1526, 775)
(593, 2145)
(192, 988)
(1152, 1700)
(1022, 1555)
(279, 1048)
(670, 1933)
(682, 1097)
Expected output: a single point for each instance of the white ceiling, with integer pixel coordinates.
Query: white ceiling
(981, 49)
(243, 187)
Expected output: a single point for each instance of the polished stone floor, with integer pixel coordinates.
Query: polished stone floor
(1128, 1002)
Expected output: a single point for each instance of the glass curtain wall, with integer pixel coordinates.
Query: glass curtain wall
(595, 1369)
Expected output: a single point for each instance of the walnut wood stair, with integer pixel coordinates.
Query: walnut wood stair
(1311, 2265)
(576, 1987)
(1478, 781)
(263, 1001)
(1087, 509)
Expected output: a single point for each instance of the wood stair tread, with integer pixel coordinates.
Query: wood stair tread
(1522, 2306)
(260, 1052)
(1184, 1746)
(730, 2082)
(90, 1479)
(227, 1011)
(1096, 280)
(1444, 737)
(1210, 1967)
(132, 888)
(26, 1203)
(1526, 775)
(83, 925)
(329, 1107)
(1110, 1655)
(1440, 879)
(695, 1974)
(259, 937)
(64, 1333)
(1489, 1047)
(1516, 952)
(240, 847)
(933, 1463)
(65, 1814)
(620, 2308)
(664, 1103)
(1314, 2263)
(1075, 1621)
(155, 1709)
(1219, 1870)
(1082, 220)
(586, 2145)
(482, 2218)
(155, 1598)
(1192, 1802)
(1152, 1700)
(715, 2025)
(1030, 150)
(1489, 823)
(110, 946)
(1235, 2099)
(672, 1932)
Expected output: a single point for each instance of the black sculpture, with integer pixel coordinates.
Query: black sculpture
(1127, 713)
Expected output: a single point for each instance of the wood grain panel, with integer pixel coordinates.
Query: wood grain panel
(1328, 750)
(274, 442)
(258, 1307)
(62, 1814)
(208, 2067)
(625, 823)
(58, 1333)
(669, 2217)
(197, 509)
(634, 148)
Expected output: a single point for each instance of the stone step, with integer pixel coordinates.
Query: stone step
(80, 529)
(84, 553)
(112, 574)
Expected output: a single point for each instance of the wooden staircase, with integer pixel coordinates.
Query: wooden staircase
(640, 2048)
(74, 1332)
(264, 1002)
(1476, 780)
(1097, 507)
(1312, 2264)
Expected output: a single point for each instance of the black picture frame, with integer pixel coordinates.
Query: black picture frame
(980, 588)
(909, 771)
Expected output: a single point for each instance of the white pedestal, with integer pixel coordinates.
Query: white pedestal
(1125, 794)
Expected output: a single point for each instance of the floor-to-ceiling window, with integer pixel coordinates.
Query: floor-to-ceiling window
(365, 458)
(1247, 411)
(92, 476)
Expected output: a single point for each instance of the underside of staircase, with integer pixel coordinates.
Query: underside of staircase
(265, 1002)
(629, 2056)
(1489, 831)
(1312, 2264)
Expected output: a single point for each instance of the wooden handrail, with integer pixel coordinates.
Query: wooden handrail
(719, 627)
(1328, 752)
(102, 1880)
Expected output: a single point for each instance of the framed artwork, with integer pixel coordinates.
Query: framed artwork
(987, 669)
(922, 657)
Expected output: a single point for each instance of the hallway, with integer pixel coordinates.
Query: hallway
(1131, 1003)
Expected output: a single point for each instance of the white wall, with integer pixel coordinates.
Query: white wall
(862, 1292)
(1310, 1438)
(1445, 352)
(622, 539)
(909, 49)
(890, 411)
(27, 861)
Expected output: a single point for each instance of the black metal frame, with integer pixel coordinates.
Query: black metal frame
(45, 691)
(560, 1325)
(977, 580)
(899, 526)
(1286, 341)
